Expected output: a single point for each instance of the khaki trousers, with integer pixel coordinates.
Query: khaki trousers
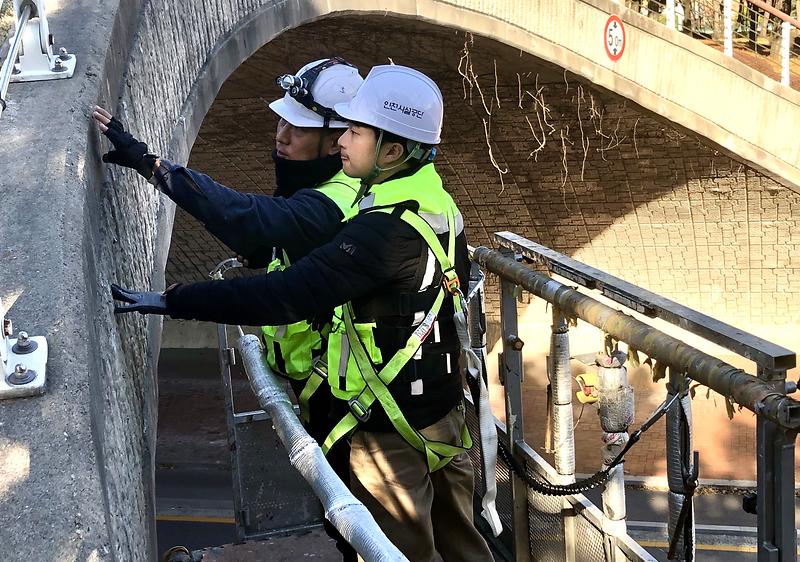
(421, 513)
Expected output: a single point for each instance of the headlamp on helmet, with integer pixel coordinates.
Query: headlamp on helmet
(299, 88)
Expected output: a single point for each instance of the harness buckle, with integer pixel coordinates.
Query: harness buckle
(451, 281)
(321, 371)
(358, 410)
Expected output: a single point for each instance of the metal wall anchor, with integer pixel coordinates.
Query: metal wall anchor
(36, 58)
(24, 344)
(24, 362)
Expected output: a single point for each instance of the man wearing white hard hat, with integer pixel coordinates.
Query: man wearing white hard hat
(276, 231)
(394, 274)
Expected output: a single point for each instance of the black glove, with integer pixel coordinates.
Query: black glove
(146, 302)
(128, 151)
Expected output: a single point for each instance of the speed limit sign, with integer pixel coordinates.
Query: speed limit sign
(614, 38)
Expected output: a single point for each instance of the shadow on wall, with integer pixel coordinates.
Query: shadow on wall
(529, 148)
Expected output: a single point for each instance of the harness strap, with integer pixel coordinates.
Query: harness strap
(437, 454)
(313, 382)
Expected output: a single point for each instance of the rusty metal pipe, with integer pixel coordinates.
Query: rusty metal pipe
(745, 389)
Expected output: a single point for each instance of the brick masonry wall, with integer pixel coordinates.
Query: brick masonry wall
(613, 186)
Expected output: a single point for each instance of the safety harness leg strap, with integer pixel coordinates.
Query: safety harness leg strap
(437, 453)
(390, 370)
(313, 383)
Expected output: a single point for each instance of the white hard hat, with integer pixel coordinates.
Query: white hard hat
(399, 100)
(319, 85)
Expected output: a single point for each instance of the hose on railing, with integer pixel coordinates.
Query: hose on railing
(13, 52)
(342, 509)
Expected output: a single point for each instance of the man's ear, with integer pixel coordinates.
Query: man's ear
(332, 142)
(392, 152)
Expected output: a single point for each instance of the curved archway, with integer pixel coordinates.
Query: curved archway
(588, 172)
(179, 61)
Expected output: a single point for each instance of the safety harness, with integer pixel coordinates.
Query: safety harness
(352, 343)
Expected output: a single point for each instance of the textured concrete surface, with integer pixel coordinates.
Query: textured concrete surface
(79, 461)
(56, 503)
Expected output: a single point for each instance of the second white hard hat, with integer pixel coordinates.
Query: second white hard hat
(399, 100)
(335, 84)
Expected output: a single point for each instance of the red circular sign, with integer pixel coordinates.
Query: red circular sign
(614, 38)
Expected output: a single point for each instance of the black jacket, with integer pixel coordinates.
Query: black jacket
(251, 225)
(375, 256)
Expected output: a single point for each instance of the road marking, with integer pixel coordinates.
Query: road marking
(717, 547)
(196, 519)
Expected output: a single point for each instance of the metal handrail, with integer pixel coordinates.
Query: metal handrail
(350, 517)
(775, 12)
(765, 353)
(729, 16)
(747, 390)
(8, 64)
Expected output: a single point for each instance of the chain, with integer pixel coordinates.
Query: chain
(581, 486)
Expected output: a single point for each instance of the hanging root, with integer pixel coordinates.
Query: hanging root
(487, 125)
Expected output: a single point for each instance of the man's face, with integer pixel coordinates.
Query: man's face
(304, 143)
(357, 148)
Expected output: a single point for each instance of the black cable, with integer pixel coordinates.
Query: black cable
(598, 478)
(547, 488)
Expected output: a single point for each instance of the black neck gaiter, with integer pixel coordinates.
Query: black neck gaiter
(293, 175)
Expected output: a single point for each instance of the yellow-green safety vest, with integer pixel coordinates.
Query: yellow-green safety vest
(352, 351)
(297, 351)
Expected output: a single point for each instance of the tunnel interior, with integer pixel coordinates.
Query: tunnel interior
(528, 147)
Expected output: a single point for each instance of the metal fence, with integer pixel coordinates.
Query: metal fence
(762, 34)
(551, 528)
(556, 529)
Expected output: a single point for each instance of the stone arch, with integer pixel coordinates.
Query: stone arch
(641, 199)
(169, 73)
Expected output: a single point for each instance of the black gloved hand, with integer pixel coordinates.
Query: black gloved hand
(146, 302)
(128, 151)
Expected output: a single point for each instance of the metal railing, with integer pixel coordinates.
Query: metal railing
(342, 509)
(765, 394)
(752, 26)
(31, 57)
(8, 64)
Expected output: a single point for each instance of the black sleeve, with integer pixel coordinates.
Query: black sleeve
(375, 252)
(248, 224)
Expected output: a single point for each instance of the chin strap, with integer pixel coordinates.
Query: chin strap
(418, 152)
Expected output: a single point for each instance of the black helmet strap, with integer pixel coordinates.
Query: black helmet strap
(299, 88)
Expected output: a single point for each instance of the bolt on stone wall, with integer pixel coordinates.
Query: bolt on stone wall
(586, 172)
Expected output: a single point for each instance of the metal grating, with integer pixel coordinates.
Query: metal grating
(545, 525)
(546, 514)
(274, 496)
(589, 547)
